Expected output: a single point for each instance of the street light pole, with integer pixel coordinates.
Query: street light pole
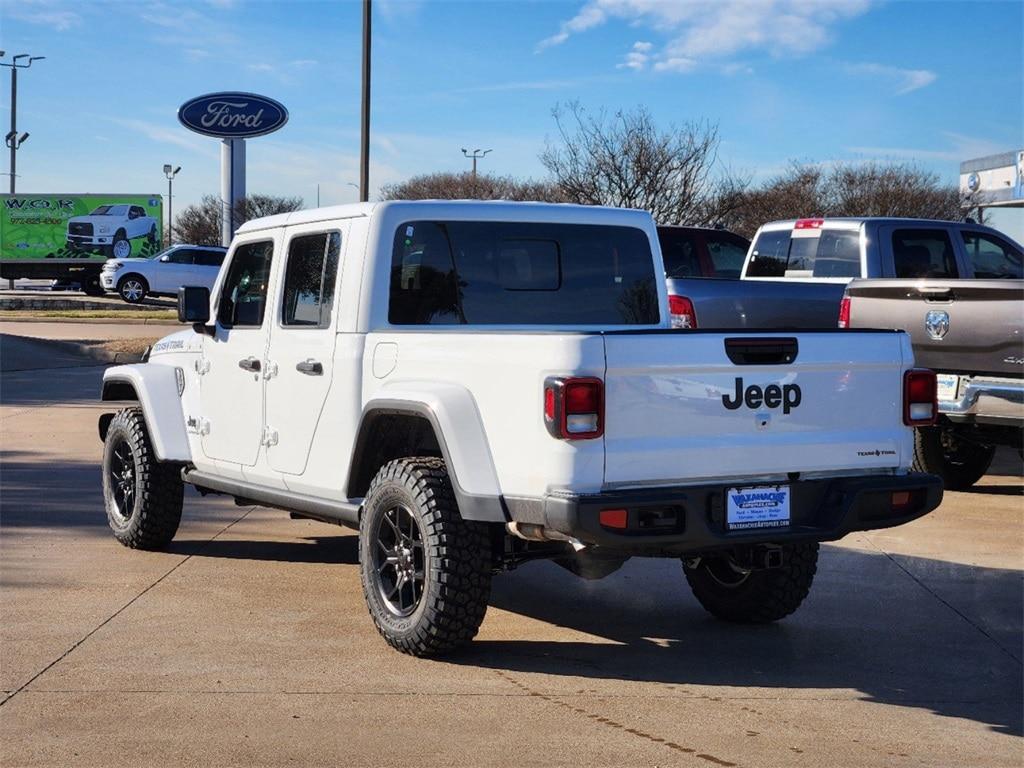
(170, 172)
(364, 133)
(475, 155)
(12, 139)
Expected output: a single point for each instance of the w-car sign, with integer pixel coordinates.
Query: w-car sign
(232, 115)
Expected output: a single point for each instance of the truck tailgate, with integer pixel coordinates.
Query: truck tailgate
(959, 326)
(725, 303)
(686, 406)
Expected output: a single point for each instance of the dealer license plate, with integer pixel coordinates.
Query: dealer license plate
(760, 507)
(947, 386)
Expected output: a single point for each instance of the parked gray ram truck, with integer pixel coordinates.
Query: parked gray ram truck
(960, 296)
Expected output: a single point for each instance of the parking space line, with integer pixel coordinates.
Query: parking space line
(121, 610)
(942, 600)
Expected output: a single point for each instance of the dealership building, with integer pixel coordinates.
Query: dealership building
(994, 185)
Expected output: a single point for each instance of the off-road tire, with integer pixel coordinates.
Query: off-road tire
(155, 511)
(151, 235)
(958, 469)
(125, 282)
(762, 596)
(456, 559)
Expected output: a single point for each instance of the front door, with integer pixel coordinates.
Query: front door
(231, 384)
(171, 271)
(301, 351)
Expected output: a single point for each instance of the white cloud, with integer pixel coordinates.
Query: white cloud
(708, 30)
(904, 80)
(637, 58)
(48, 13)
(170, 134)
(957, 147)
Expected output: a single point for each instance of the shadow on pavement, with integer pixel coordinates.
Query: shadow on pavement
(901, 630)
(865, 627)
(312, 549)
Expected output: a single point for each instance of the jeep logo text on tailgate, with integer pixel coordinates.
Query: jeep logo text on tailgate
(788, 396)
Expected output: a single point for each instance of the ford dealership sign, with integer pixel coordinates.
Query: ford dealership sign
(232, 115)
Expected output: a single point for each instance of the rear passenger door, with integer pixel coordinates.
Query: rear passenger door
(300, 356)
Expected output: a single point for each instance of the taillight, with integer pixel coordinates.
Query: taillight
(681, 311)
(920, 404)
(574, 408)
(844, 312)
(809, 224)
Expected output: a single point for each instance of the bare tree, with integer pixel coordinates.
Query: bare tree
(871, 189)
(625, 160)
(466, 186)
(199, 224)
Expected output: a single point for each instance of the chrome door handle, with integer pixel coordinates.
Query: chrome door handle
(251, 364)
(310, 368)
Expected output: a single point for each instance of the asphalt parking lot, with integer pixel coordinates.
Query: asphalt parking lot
(248, 642)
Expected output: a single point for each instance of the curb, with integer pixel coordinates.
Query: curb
(97, 320)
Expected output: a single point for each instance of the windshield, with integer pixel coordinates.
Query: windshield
(111, 210)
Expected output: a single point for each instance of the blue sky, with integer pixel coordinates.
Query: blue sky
(848, 80)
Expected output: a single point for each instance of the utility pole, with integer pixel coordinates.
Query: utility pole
(475, 155)
(12, 139)
(364, 133)
(170, 172)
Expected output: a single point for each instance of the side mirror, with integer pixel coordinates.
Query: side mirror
(194, 306)
(165, 258)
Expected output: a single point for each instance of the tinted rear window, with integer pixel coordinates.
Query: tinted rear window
(490, 273)
(727, 253)
(833, 253)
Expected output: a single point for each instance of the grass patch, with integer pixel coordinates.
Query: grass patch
(79, 314)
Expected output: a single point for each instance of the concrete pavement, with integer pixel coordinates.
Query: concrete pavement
(248, 642)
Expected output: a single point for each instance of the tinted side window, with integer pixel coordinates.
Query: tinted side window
(209, 258)
(180, 256)
(490, 273)
(679, 250)
(923, 253)
(309, 280)
(992, 257)
(243, 298)
(727, 253)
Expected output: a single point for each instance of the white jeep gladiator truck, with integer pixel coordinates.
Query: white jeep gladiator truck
(475, 385)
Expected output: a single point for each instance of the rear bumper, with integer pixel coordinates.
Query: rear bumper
(820, 510)
(987, 400)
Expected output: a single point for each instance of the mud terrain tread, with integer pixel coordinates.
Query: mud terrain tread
(459, 581)
(160, 490)
(766, 596)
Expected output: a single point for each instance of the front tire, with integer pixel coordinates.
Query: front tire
(960, 463)
(143, 496)
(132, 288)
(745, 596)
(426, 572)
(121, 248)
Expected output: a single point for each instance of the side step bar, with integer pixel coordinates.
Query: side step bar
(338, 512)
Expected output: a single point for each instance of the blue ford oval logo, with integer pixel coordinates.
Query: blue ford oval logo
(232, 115)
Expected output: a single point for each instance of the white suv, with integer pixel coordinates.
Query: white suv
(179, 265)
(111, 228)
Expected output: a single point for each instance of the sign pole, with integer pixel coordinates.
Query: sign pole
(232, 186)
